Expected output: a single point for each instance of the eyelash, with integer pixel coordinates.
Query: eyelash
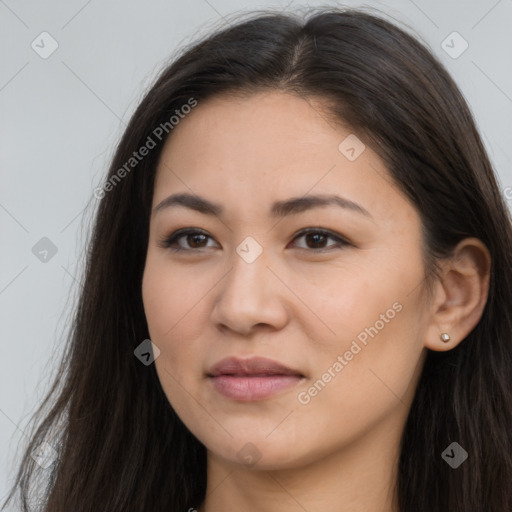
(167, 242)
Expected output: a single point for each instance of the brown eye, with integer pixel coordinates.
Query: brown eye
(194, 238)
(316, 239)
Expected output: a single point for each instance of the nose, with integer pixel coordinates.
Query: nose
(250, 297)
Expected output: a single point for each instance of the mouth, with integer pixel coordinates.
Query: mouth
(252, 379)
(253, 366)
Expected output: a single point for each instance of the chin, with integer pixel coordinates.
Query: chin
(258, 452)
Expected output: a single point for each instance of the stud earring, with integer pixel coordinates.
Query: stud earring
(445, 337)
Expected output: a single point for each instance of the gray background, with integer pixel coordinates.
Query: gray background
(61, 118)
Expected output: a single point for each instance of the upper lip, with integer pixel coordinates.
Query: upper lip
(250, 366)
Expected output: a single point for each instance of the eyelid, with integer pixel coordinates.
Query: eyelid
(341, 241)
(165, 243)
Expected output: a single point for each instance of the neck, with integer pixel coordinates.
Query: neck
(358, 477)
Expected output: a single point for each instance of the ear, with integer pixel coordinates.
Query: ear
(460, 294)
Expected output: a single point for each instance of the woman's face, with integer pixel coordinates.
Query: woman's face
(343, 307)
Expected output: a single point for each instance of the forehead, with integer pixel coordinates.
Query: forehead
(267, 127)
(268, 146)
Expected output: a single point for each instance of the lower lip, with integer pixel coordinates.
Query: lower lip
(253, 388)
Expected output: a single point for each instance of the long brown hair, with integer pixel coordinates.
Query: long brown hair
(120, 445)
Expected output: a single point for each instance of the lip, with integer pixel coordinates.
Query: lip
(251, 379)
(251, 366)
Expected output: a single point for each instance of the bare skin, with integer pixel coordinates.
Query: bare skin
(330, 447)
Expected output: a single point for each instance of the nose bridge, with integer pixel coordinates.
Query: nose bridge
(249, 271)
(248, 296)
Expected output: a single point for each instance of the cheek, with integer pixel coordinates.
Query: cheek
(159, 304)
(356, 385)
(373, 321)
(174, 307)
(170, 299)
(167, 308)
(345, 304)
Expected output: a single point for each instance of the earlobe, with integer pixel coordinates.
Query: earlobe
(460, 297)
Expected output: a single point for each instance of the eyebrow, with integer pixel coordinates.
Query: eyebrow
(279, 209)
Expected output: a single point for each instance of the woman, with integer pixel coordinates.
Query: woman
(225, 355)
